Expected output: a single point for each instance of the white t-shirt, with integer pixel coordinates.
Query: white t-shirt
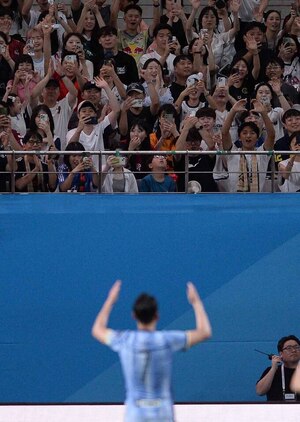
(275, 116)
(155, 55)
(292, 184)
(233, 165)
(93, 141)
(246, 10)
(61, 114)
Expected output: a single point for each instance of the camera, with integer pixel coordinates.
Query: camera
(220, 4)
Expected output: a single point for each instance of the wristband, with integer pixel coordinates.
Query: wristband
(156, 5)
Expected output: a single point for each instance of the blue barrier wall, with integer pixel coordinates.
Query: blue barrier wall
(60, 254)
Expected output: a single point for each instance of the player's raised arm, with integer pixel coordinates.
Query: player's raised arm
(100, 330)
(203, 328)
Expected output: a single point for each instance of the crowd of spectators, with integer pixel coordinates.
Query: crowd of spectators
(77, 78)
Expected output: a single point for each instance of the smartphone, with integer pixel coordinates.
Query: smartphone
(93, 120)
(107, 62)
(71, 58)
(203, 32)
(3, 111)
(44, 117)
(137, 103)
(220, 4)
(221, 82)
(235, 70)
(55, 26)
(192, 80)
(51, 2)
(169, 117)
(297, 139)
(2, 49)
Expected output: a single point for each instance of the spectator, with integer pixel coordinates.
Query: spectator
(131, 41)
(288, 50)
(208, 22)
(152, 74)
(24, 78)
(274, 72)
(89, 131)
(6, 64)
(139, 140)
(158, 181)
(133, 108)
(246, 173)
(117, 178)
(15, 42)
(289, 170)
(7, 164)
(34, 175)
(77, 173)
(176, 18)
(266, 94)
(124, 65)
(183, 66)
(254, 49)
(275, 380)
(164, 51)
(272, 20)
(200, 167)
(61, 110)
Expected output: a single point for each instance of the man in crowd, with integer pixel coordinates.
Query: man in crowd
(275, 380)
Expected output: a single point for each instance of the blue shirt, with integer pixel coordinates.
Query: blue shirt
(146, 359)
(149, 184)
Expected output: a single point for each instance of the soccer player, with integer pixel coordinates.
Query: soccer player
(146, 354)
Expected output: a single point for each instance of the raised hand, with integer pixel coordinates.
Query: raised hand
(192, 293)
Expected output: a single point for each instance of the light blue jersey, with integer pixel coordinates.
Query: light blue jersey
(146, 359)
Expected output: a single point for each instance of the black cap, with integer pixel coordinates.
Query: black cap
(85, 104)
(90, 85)
(52, 83)
(135, 87)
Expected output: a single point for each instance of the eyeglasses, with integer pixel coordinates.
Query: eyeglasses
(289, 349)
(34, 142)
(160, 156)
(275, 66)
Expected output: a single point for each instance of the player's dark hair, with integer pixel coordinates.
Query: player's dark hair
(145, 308)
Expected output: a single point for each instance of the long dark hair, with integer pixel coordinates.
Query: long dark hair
(36, 111)
(72, 146)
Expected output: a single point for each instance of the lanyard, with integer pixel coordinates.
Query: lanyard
(283, 379)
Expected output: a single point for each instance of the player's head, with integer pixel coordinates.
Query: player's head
(145, 308)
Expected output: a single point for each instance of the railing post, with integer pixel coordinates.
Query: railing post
(12, 174)
(273, 172)
(186, 172)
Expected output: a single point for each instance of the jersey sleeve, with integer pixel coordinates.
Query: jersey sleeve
(177, 340)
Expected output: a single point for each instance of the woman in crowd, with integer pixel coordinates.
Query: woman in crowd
(77, 173)
(289, 170)
(139, 141)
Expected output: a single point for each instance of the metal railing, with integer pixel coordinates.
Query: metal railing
(272, 172)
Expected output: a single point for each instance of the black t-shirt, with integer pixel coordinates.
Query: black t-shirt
(125, 66)
(245, 91)
(37, 187)
(145, 115)
(178, 30)
(265, 55)
(176, 90)
(275, 393)
(200, 169)
(4, 177)
(5, 75)
(105, 13)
